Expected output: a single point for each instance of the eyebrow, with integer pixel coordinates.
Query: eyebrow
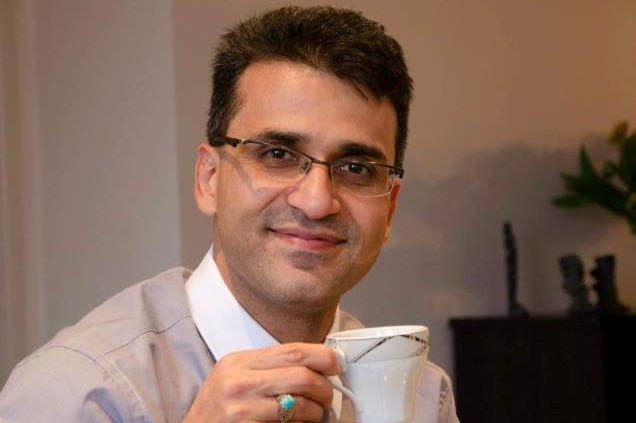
(351, 148)
(285, 138)
(358, 149)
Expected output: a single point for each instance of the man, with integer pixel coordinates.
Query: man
(307, 131)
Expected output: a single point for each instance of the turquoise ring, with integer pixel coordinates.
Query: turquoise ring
(286, 403)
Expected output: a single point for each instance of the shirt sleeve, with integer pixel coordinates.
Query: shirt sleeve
(447, 410)
(435, 402)
(60, 384)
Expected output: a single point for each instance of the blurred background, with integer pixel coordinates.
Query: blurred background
(103, 102)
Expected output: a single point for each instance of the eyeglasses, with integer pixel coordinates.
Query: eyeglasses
(288, 166)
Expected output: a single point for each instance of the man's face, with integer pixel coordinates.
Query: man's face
(301, 245)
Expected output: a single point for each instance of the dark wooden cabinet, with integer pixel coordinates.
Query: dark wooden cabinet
(545, 369)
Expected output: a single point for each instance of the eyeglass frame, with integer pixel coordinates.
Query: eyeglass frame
(397, 171)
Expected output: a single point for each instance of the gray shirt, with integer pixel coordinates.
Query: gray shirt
(136, 358)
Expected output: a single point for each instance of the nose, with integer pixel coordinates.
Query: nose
(315, 195)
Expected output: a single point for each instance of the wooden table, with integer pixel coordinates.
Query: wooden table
(545, 369)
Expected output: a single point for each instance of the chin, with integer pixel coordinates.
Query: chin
(308, 303)
(316, 262)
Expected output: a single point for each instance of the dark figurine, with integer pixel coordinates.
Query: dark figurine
(605, 286)
(514, 307)
(573, 274)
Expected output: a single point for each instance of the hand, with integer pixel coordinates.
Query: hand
(242, 387)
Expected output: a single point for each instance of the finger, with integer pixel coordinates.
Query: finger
(305, 410)
(317, 357)
(297, 381)
(234, 377)
(268, 410)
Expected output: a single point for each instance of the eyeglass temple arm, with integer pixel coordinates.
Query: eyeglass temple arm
(221, 140)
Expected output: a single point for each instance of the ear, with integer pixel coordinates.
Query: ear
(392, 205)
(205, 179)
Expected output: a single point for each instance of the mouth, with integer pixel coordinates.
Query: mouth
(313, 240)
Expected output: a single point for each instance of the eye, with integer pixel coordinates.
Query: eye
(278, 156)
(357, 168)
(276, 153)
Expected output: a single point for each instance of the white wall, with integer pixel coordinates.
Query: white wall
(98, 154)
(506, 92)
(107, 148)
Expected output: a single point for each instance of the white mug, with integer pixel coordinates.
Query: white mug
(380, 370)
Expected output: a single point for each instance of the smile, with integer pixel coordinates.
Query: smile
(307, 239)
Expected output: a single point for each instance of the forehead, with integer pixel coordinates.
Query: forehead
(318, 106)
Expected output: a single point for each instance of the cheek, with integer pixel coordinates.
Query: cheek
(372, 225)
(241, 202)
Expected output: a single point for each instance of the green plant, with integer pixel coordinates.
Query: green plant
(614, 187)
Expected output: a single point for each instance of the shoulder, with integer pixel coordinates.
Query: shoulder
(62, 384)
(118, 358)
(151, 306)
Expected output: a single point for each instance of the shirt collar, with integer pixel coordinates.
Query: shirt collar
(222, 322)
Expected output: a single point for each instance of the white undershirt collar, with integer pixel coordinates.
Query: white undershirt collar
(224, 325)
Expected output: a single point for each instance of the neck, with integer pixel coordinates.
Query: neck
(287, 322)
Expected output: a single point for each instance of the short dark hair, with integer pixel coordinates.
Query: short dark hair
(339, 41)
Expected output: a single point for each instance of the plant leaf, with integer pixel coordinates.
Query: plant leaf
(570, 201)
(610, 169)
(588, 171)
(632, 224)
(571, 182)
(627, 162)
(619, 132)
(591, 186)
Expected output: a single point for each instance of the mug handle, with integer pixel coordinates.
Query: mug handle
(345, 391)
